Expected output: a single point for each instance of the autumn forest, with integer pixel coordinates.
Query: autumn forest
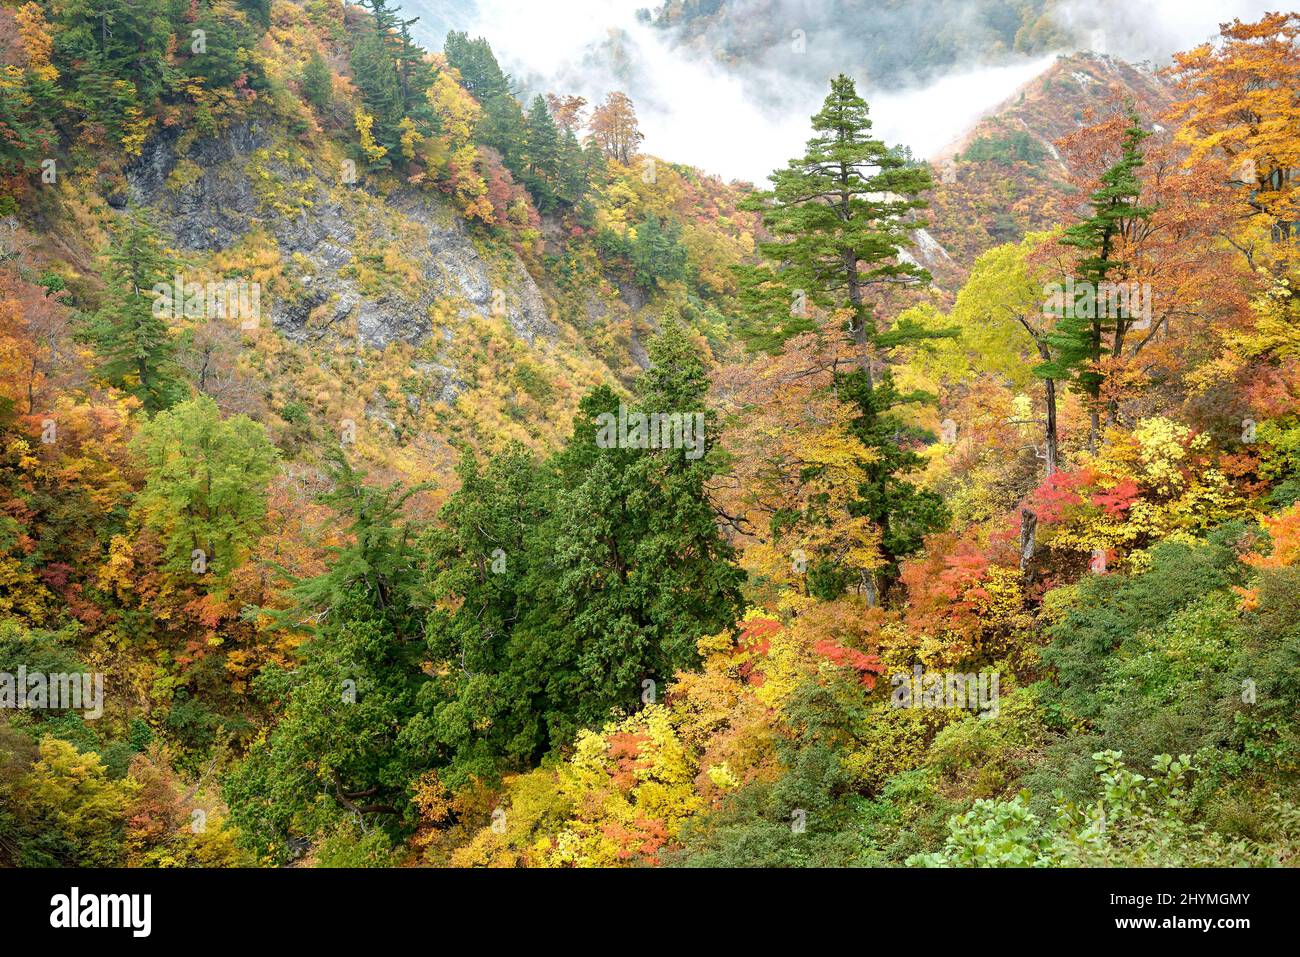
(402, 465)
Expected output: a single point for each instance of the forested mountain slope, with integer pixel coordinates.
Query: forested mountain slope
(433, 478)
(1008, 175)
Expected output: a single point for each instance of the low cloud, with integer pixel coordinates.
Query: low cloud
(1155, 29)
(743, 121)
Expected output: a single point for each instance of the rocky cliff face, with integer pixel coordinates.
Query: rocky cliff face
(213, 194)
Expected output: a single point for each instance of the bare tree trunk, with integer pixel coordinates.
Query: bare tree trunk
(869, 589)
(1049, 439)
(1028, 526)
(862, 335)
(1050, 451)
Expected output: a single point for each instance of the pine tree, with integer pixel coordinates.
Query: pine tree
(636, 569)
(227, 40)
(841, 215)
(118, 39)
(23, 142)
(561, 590)
(542, 156)
(574, 175)
(657, 255)
(1086, 331)
(502, 129)
(502, 125)
(115, 52)
(375, 74)
(133, 342)
(317, 82)
(480, 73)
(486, 709)
(414, 76)
(338, 750)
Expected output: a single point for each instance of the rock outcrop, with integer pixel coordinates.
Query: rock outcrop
(211, 202)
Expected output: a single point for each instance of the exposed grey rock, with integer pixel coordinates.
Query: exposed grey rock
(391, 318)
(220, 206)
(377, 410)
(633, 295)
(638, 351)
(212, 212)
(449, 384)
(456, 269)
(147, 174)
